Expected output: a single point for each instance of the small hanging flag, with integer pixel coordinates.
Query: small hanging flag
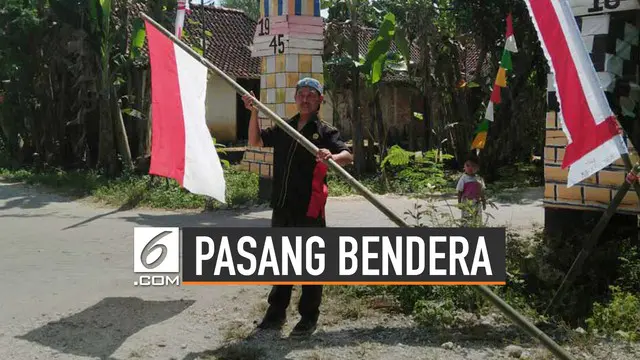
(482, 127)
(501, 79)
(489, 113)
(495, 95)
(505, 62)
(479, 141)
(481, 135)
(510, 44)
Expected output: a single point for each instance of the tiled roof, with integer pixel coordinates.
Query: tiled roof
(230, 32)
(228, 46)
(469, 61)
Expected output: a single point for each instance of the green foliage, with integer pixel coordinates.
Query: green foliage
(619, 318)
(137, 38)
(630, 268)
(432, 313)
(369, 13)
(396, 156)
(250, 7)
(415, 172)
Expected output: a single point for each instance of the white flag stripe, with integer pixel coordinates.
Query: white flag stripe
(489, 113)
(596, 160)
(203, 173)
(510, 44)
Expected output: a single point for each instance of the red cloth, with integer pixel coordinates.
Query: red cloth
(631, 178)
(319, 191)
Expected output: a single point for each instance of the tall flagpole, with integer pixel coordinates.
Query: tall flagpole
(204, 40)
(510, 312)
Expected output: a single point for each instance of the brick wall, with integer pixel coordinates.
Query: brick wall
(594, 193)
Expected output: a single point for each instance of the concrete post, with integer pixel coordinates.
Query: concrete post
(289, 37)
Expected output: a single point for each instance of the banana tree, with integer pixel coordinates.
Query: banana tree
(96, 18)
(341, 61)
(381, 59)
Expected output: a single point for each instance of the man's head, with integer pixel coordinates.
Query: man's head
(471, 166)
(308, 96)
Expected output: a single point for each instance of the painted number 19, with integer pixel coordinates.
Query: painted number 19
(264, 26)
(608, 4)
(277, 44)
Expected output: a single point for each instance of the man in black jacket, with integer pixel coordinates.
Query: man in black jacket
(299, 190)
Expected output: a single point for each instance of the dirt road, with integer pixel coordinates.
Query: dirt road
(67, 276)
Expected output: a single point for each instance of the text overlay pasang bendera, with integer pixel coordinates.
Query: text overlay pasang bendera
(343, 255)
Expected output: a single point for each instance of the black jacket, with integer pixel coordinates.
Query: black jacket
(293, 165)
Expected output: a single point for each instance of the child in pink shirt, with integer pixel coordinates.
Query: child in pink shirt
(471, 190)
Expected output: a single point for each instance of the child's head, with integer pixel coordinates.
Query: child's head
(471, 165)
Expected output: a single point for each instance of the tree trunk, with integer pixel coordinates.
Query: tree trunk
(106, 159)
(382, 135)
(121, 133)
(143, 124)
(426, 103)
(356, 120)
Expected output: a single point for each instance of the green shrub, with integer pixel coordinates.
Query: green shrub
(417, 172)
(620, 318)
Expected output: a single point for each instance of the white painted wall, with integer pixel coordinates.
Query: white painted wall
(592, 7)
(221, 108)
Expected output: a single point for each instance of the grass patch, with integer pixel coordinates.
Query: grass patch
(340, 187)
(138, 190)
(516, 176)
(236, 331)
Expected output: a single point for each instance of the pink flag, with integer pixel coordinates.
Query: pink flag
(594, 139)
(181, 146)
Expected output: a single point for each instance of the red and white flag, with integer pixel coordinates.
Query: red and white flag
(594, 136)
(182, 11)
(181, 146)
(510, 43)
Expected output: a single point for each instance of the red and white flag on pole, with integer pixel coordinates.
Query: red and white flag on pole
(181, 11)
(510, 43)
(594, 137)
(181, 146)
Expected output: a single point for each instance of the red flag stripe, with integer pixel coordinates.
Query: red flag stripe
(167, 131)
(509, 25)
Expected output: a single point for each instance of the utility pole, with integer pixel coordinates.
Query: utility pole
(204, 40)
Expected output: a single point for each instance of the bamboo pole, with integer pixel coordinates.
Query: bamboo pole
(511, 313)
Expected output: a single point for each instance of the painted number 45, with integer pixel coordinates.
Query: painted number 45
(277, 44)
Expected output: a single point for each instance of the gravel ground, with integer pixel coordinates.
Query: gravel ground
(68, 294)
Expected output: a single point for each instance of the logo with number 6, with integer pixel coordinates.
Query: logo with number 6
(156, 250)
